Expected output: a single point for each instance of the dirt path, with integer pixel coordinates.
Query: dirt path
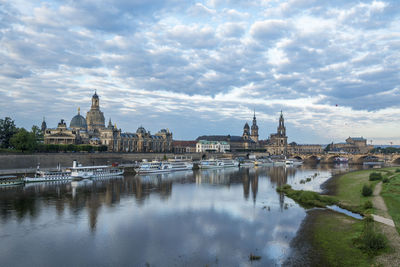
(378, 201)
(387, 259)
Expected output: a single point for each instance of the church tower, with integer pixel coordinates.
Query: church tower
(281, 127)
(246, 132)
(94, 117)
(254, 129)
(44, 126)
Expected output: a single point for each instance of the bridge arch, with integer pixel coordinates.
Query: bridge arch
(366, 158)
(396, 161)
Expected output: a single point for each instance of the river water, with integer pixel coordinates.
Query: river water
(205, 217)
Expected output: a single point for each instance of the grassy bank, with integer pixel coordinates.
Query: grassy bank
(334, 236)
(391, 195)
(341, 240)
(349, 187)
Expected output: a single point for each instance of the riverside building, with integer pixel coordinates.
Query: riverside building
(92, 130)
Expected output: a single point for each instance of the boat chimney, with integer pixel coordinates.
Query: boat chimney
(74, 164)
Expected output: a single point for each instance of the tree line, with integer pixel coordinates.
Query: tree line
(17, 139)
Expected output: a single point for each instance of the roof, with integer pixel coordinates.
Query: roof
(213, 137)
(357, 138)
(212, 142)
(78, 121)
(184, 143)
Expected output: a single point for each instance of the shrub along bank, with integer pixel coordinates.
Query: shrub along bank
(391, 195)
(344, 241)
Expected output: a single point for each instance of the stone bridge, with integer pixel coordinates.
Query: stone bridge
(353, 158)
(330, 157)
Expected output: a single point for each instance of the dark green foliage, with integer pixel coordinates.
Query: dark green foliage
(397, 170)
(7, 130)
(23, 140)
(370, 240)
(308, 179)
(37, 132)
(375, 176)
(366, 191)
(307, 199)
(368, 205)
(385, 180)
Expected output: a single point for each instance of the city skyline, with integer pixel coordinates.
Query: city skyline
(203, 67)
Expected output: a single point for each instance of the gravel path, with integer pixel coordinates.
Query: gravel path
(387, 227)
(378, 201)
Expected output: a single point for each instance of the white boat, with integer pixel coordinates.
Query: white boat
(8, 180)
(279, 163)
(293, 162)
(247, 163)
(76, 172)
(263, 162)
(163, 166)
(218, 163)
(89, 172)
(49, 176)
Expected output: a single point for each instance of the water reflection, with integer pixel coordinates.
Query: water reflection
(214, 217)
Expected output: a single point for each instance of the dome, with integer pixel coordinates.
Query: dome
(95, 95)
(78, 121)
(141, 130)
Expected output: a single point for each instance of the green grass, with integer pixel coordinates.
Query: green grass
(307, 199)
(391, 195)
(334, 236)
(349, 187)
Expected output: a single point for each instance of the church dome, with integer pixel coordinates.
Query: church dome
(78, 121)
(141, 130)
(95, 95)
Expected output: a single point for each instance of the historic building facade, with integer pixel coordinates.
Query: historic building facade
(92, 130)
(353, 145)
(276, 144)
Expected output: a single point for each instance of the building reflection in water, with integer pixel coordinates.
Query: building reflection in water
(90, 196)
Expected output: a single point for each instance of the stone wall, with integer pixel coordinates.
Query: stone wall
(50, 160)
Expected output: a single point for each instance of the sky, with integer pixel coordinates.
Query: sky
(203, 67)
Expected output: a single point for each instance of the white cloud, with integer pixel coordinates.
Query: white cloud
(167, 62)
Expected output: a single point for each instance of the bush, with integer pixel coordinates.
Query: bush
(366, 191)
(371, 240)
(397, 170)
(385, 180)
(375, 176)
(368, 205)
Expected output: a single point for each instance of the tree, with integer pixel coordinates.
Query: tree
(7, 130)
(37, 132)
(23, 140)
(328, 148)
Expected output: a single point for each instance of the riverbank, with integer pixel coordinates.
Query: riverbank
(51, 160)
(330, 237)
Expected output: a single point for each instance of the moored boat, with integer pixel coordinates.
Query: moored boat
(74, 173)
(163, 166)
(89, 172)
(263, 162)
(218, 163)
(7, 180)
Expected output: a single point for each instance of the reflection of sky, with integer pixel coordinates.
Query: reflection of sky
(198, 224)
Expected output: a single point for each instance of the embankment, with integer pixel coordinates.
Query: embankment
(50, 160)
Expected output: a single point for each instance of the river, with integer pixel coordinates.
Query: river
(205, 217)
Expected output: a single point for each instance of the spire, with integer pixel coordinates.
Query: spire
(254, 117)
(110, 124)
(79, 111)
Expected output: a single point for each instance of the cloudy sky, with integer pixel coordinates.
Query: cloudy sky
(201, 67)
